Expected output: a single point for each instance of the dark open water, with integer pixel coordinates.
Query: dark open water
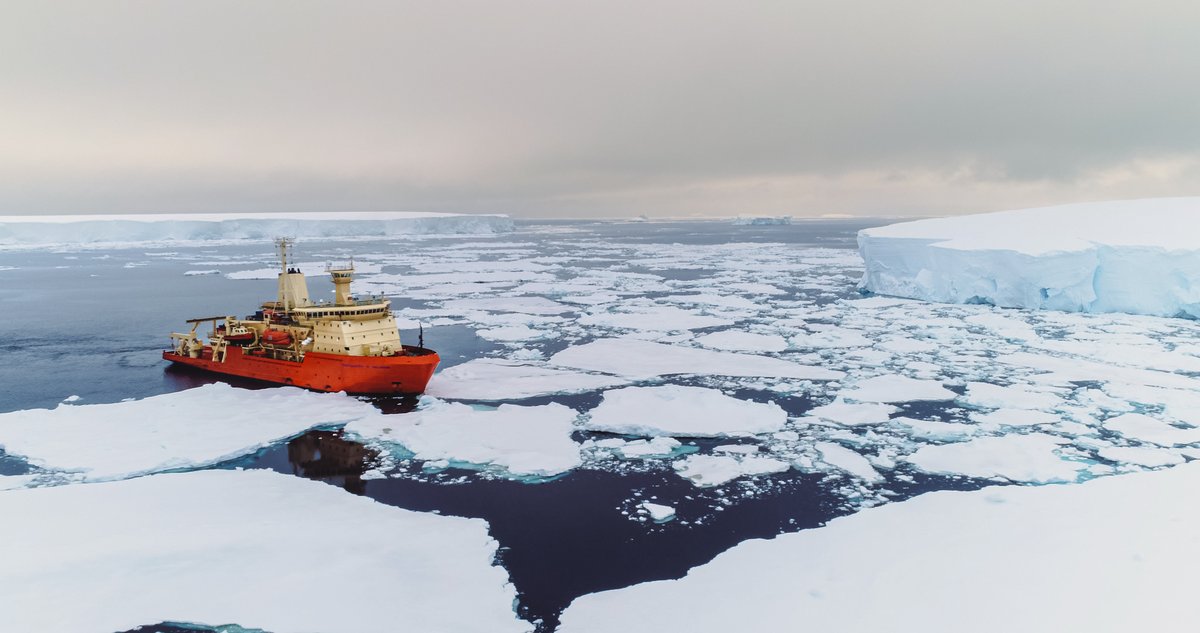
(85, 324)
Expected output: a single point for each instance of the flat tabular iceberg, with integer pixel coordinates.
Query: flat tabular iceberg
(250, 547)
(1136, 256)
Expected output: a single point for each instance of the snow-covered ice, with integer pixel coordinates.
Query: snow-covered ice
(186, 429)
(1030, 458)
(853, 414)
(682, 411)
(1144, 428)
(496, 379)
(512, 440)
(841, 457)
(894, 388)
(1135, 256)
(658, 512)
(735, 341)
(643, 360)
(713, 470)
(252, 547)
(1100, 556)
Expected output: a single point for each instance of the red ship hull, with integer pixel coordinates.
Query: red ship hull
(373, 375)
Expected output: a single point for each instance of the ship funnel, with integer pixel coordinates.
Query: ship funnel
(293, 289)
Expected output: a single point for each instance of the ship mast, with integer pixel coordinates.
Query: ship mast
(293, 290)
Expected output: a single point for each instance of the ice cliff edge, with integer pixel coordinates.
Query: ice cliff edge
(33, 230)
(1134, 256)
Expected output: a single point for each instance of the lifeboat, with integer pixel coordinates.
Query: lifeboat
(276, 337)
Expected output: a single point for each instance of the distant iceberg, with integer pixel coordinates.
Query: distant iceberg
(782, 220)
(33, 230)
(1133, 256)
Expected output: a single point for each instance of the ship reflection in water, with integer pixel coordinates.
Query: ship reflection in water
(327, 456)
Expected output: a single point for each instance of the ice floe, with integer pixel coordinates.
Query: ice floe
(731, 340)
(496, 379)
(894, 388)
(182, 430)
(638, 359)
(1033, 458)
(511, 440)
(853, 414)
(713, 470)
(224, 546)
(1100, 556)
(682, 411)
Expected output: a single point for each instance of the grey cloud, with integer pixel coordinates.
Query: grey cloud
(561, 108)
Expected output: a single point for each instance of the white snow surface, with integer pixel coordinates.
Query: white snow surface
(853, 414)
(706, 471)
(1102, 556)
(1032, 458)
(129, 229)
(682, 411)
(514, 440)
(1135, 256)
(657, 511)
(894, 388)
(220, 546)
(185, 429)
(496, 379)
(735, 341)
(642, 360)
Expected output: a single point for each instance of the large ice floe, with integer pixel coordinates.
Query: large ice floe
(183, 430)
(516, 440)
(78, 230)
(1135, 256)
(1115, 554)
(253, 547)
(682, 411)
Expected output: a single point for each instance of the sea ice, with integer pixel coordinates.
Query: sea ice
(642, 360)
(853, 414)
(1099, 556)
(841, 457)
(706, 471)
(186, 429)
(893, 388)
(1136, 256)
(658, 513)
(495, 379)
(982, 394)
(1029, 458)
(732, 340)
(514, 440)
(1144, 428)
(225, 546)
(682, 411)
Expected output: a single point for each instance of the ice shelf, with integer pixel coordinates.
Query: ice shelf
(131, 229)
(1133, 256)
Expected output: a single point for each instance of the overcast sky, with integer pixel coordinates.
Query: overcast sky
(606, 108)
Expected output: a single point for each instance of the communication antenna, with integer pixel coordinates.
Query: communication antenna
(420, 335)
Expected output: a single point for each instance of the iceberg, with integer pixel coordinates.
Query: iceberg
(29, 231)
(1099, 556)
(1133, 256)
(254, 547)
